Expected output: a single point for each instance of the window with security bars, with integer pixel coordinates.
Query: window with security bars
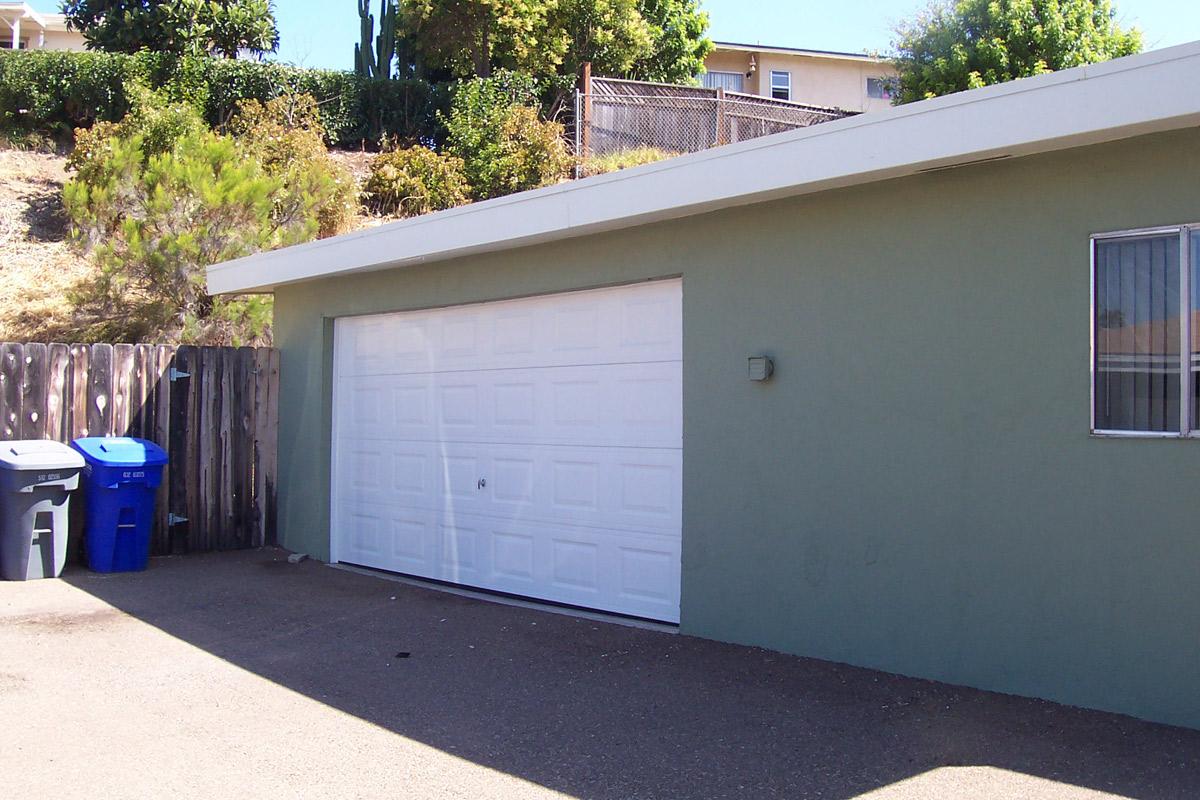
(1146, 332)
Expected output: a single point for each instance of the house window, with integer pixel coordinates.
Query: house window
(781, 85)
(879, 88)
(729, 81)
(1146, 332)
(6, 44)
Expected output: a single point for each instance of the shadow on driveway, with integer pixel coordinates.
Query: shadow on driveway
(596, 710)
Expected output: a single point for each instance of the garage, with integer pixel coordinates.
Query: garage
(532, 446)
(931, 477)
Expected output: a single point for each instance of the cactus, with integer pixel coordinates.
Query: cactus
(374, 59)
(385, 43)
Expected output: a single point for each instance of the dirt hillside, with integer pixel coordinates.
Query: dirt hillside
(37, 268)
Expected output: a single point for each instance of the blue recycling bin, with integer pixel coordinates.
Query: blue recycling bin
(121, 476)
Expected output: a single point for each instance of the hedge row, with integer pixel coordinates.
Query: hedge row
(52, 93)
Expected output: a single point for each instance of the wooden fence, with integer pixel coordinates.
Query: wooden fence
(613, 115)
(213, 409)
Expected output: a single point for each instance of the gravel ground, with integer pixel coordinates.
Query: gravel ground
(240, 675)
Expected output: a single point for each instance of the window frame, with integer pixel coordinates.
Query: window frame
(727, 73)
(885, 91)
(1188, 428)
(771, 85)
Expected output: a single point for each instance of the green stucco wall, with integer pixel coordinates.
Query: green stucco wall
(916, 490)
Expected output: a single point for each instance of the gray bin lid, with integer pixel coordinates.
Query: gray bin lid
(37, 455)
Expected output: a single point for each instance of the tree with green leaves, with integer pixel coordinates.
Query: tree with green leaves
(158, 197)
(468, 38)
(611, 34)
(235, 26)
(651, 39)
(183, 27)
(678, 44)
(965, 44)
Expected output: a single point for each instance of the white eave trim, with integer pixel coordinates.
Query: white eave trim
(734, 47)
(1118, 99)
(27, 13)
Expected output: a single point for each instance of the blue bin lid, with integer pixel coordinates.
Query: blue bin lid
(120, 451)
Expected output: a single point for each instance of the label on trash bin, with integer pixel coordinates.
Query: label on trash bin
(133, 474)
(52, 476)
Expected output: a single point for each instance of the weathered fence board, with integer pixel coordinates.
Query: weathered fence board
(58, 395)
(213, 409)
(33, 392)
(12, 359)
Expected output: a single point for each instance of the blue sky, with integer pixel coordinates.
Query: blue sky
(321, 33)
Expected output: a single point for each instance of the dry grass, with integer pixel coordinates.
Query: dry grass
(359, 165)
(38, 267)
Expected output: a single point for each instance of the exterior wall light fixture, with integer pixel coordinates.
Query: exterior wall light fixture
(761, 368)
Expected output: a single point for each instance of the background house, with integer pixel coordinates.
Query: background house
(22, 28)
(849, 81)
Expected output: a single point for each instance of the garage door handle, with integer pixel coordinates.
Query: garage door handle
(482, 482)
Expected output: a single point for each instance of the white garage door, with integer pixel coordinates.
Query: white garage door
(529, 446)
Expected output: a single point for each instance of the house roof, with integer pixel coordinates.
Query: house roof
(1097, 103)
(795, 51)
(23, 11)
(51, 22)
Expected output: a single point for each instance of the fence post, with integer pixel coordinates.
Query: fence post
(722, 137)
(585, 121)
(578, 133)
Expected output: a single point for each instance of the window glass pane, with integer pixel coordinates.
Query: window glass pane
(1194, 263)
(729, 81)
(1137, 334)
(781, 85)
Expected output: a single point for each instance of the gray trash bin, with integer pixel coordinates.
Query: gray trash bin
(36, 480)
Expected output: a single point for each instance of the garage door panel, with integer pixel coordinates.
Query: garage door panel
(531, 447)
(617, 570)
(619, 325)
(627, 488)
(611, 405)
(395, 538)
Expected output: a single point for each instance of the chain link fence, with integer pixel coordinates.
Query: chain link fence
(619, 116)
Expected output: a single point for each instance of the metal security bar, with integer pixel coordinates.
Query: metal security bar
(620, 115)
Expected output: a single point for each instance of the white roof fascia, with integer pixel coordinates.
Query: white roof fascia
(26, 12)
(1118, 99)
(734, 47)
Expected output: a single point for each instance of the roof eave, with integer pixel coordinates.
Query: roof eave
(796, 51)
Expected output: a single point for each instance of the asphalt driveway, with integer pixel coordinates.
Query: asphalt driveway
(240, 675)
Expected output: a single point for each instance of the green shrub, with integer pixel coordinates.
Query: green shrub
(624, 159)
(415, 181)
(154, 222)
(157, 121)
(286, 137)
(92, 151)
(53, 93)
(504, 144)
